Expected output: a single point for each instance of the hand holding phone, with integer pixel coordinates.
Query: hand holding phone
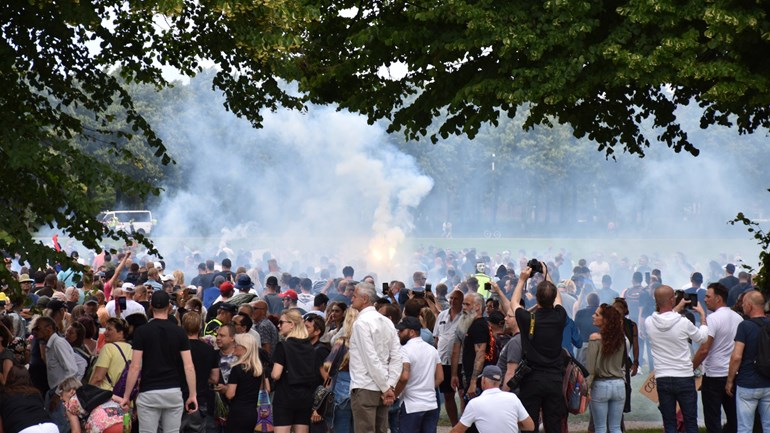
(693, 298)
(428, 287)
(122, 303)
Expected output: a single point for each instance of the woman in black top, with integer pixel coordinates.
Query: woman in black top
(294, 376)
(243, 386)
(21, 405)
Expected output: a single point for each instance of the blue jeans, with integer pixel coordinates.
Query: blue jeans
(393, 412)
(343, 415)
(673, 390)
(746, 402)
(608, 397)
(418, 422)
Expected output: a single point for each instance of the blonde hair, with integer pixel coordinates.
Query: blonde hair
(351, 314)
(343, 337)
(250, 359)
(178, 277)
(299, 330)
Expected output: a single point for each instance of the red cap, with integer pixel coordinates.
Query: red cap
(225, 287)
(289, 294)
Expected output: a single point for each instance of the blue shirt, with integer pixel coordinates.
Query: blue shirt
(571, 337)
(210, 295)
(748, 334)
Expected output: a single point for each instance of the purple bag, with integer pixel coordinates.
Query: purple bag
(119, 387)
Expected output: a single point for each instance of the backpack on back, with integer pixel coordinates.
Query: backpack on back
(762, 361)
(574, 386)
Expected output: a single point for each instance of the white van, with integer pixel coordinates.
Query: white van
(130, 221)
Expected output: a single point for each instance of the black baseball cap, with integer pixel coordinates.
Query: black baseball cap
(160, 299)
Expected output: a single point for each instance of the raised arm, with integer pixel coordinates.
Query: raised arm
(505, 304)
(518, 291)
(118, 269)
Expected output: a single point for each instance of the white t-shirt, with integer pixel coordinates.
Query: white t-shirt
(495, 411)
(305, 301)
(419, 394)
(444, 330)
(131, 308)
(722, 326)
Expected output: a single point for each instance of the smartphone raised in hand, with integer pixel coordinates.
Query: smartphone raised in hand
(693, 298)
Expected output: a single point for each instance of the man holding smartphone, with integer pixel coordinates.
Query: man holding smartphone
(123, 305)
(668, 334)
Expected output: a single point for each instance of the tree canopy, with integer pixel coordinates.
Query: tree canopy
(602, 67)
(70, 124)
(614, 71)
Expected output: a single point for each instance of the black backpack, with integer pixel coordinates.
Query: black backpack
(762, 361)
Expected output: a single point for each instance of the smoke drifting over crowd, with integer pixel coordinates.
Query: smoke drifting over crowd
(322, 183)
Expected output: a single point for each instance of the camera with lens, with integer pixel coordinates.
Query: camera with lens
(536, 266)
(522, 370)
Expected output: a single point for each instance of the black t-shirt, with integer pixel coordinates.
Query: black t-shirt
(206, 281)
(247, 391)
(161, 343)
(227, 275)
(322, 351)
(546, 340)
(477, 333)
(297, 373)
(20, 411)
(204, 358)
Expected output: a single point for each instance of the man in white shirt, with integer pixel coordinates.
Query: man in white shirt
(494, 411)
(420, 376)
(127, 291)
(444, 337)
(668, 333)
(375, 363)
(715, 356)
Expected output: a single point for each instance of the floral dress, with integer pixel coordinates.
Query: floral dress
(19, 348)
(104, 416)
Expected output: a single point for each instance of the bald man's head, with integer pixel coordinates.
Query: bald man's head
(663, 296)
(755, 298)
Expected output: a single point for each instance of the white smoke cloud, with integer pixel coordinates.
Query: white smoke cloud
(306, 185)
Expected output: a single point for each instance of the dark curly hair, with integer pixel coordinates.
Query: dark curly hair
(611, 329)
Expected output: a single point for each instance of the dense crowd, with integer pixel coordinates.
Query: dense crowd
(127, 345)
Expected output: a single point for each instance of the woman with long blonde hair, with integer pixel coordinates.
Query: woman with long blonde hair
(295, 378)
(243, 386)
(343, 414)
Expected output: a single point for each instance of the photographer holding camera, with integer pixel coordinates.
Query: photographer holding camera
(541, 336)
(668, 334)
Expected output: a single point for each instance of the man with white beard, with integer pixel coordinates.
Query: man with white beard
(470, 349)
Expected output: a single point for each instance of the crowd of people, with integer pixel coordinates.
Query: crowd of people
(120, 343)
